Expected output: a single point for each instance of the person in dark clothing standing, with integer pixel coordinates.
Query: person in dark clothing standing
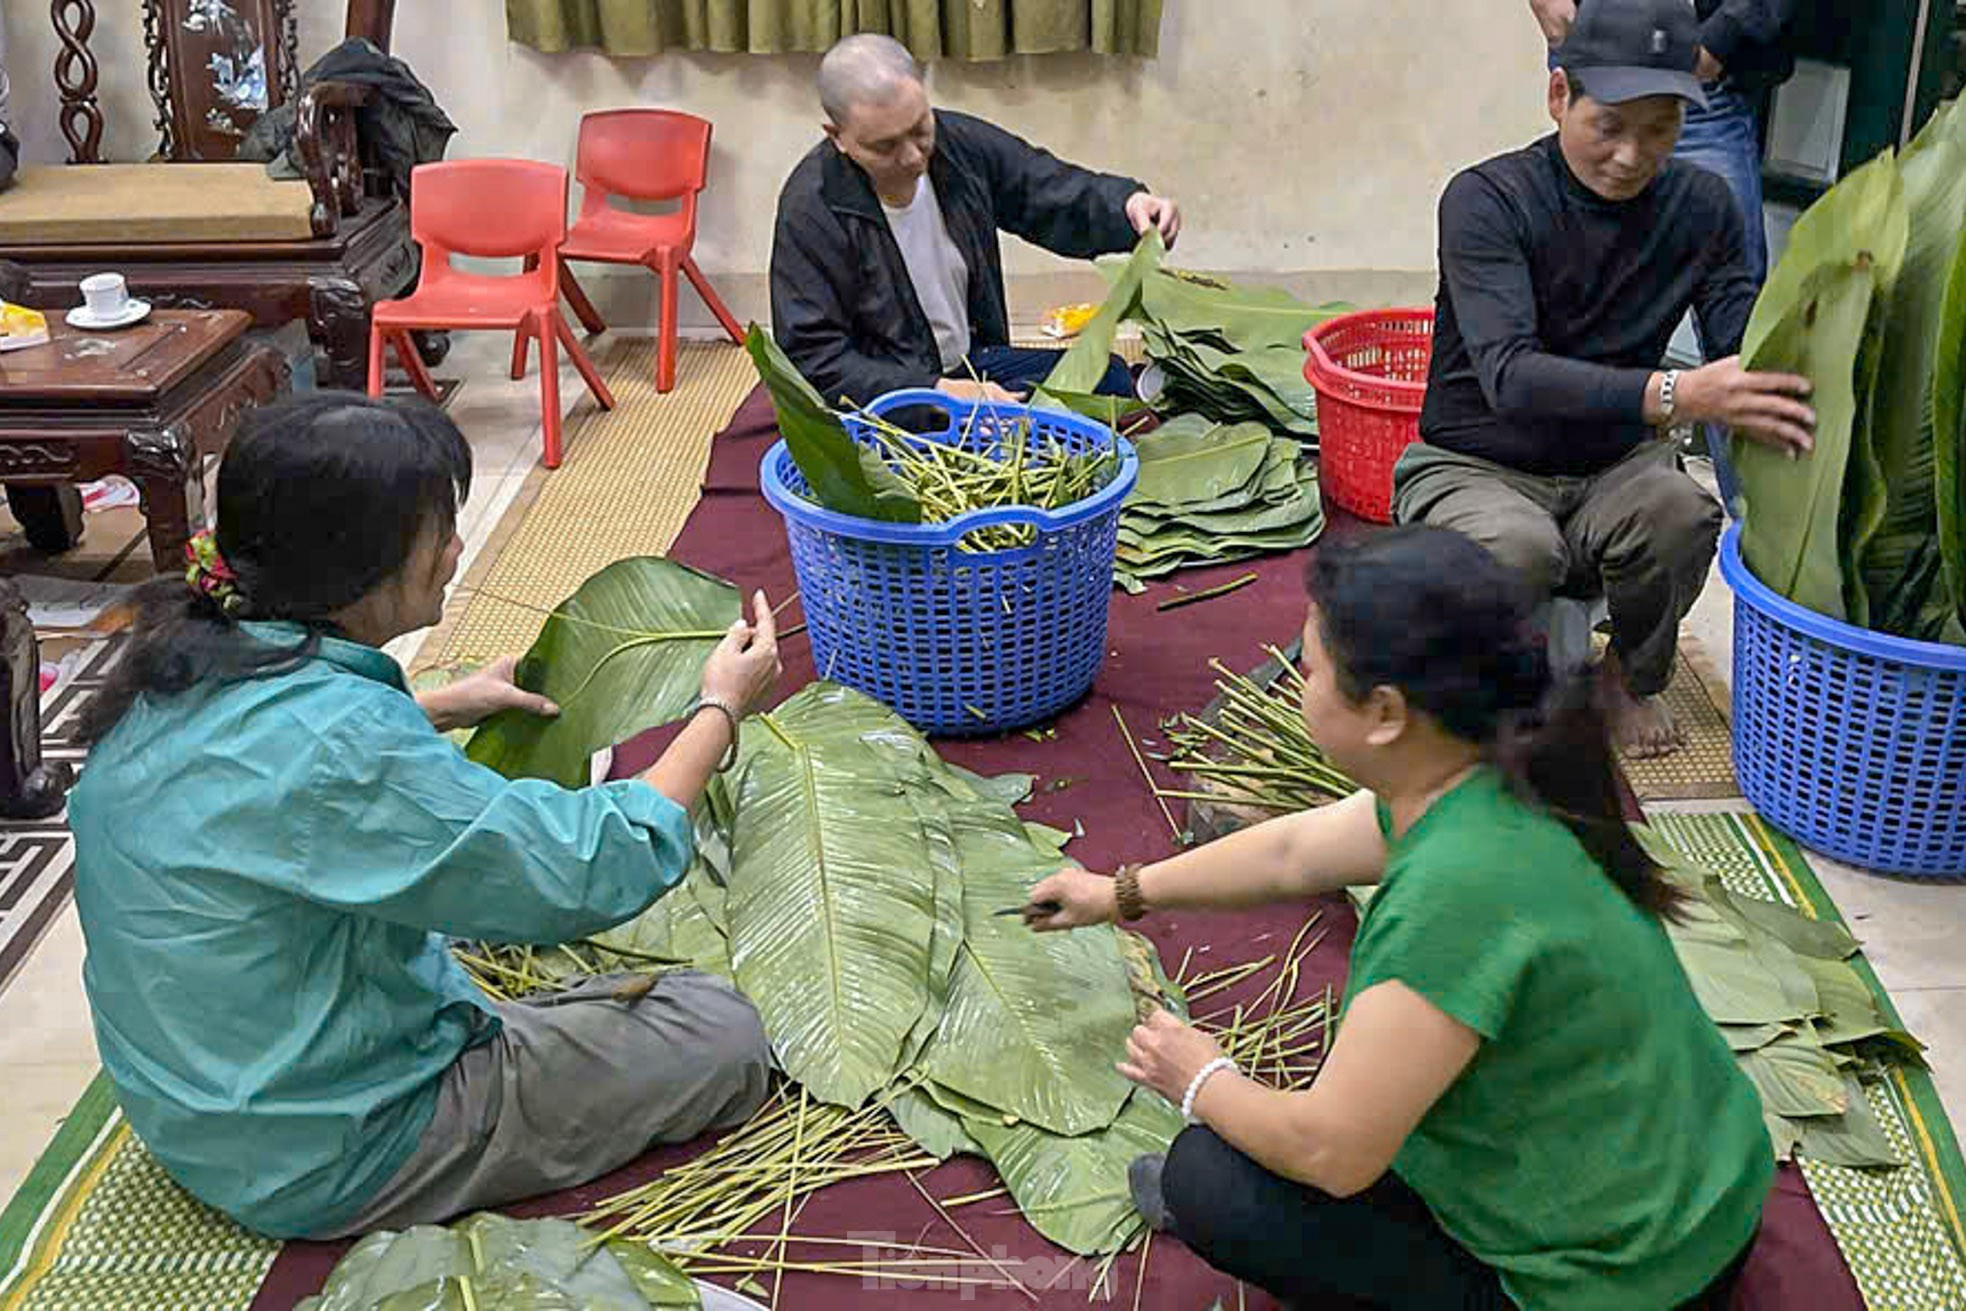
(885, 270)
(1564, 269)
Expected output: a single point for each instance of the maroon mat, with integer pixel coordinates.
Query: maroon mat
(1157, 664)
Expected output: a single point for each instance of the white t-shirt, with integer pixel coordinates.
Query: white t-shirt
(936, 268)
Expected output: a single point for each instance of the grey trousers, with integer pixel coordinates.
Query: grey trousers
(576, 1084)
(1641, 532)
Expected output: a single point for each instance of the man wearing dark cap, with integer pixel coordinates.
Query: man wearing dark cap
(1564, 269)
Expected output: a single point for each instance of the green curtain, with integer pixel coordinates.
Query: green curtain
(933, 29)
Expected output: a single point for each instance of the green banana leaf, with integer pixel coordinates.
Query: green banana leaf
(1190, 458)
(1753, 1037)
(1900, 514)
(1949, 437)
(832, 914)
(1790, 507)
(1735, 984)
(1863, 215)
(491, 1263)
(946, 940)
(1089, 356)
(1074, 1190)
(1797, 1078)
(938, 1132)
(676, 930)
(622, 655)
(1849, 1013)
(1855, 1139)
(843, 475)
(1822, 939)
(1028, 1012)
(1278, 478)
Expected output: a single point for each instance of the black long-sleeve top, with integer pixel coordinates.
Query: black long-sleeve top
(1556, 305)
(842, 303)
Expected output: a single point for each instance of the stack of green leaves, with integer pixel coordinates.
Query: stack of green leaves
(1869, 303)
(896, 476)
(1798, 1016)
(1234, 354)
(488, 1261)
(1231, 354)
(1211, 493)
(857, 910)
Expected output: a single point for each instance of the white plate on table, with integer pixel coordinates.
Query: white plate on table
(134, 312)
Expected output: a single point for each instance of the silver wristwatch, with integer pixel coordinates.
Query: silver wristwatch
(1668, 385)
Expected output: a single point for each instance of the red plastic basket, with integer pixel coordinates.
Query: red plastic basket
(1370, 373)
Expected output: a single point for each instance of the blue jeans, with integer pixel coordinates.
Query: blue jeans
(1018, 369)
(1725, 138)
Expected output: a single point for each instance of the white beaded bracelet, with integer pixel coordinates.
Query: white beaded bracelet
(1194, 1087)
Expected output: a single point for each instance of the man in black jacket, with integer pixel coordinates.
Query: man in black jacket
(885, 270)
(1564, 268)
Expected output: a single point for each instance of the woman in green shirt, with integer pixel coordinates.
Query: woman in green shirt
(1525, 1104)
(273, 841)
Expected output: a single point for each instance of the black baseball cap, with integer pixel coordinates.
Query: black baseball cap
(1627, 49)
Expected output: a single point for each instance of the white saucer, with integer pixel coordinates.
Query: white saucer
(135, 311)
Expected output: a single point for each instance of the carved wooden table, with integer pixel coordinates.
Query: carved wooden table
(148, 402)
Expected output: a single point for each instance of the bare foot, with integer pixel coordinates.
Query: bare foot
(1641, 726)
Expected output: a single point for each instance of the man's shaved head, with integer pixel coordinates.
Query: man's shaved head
(866, 69)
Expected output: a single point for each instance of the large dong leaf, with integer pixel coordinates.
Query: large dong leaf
(493, 1263)
(1074, 1190)
(1863, 215)
(832, 914)
(1035, 1020)
(1086, 360)
(843, 475)
(622, 655)
(1896, 516)
(1791, 507)
(1949, 435)
(1190, 458)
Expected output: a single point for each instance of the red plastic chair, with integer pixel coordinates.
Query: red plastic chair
(643, 155)
(490, 209)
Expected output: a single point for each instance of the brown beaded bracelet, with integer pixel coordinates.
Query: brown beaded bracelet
(1126, 893)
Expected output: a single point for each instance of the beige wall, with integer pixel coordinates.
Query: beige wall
(1307, 139)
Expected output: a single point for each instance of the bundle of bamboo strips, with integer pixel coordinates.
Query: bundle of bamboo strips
(1255, 750)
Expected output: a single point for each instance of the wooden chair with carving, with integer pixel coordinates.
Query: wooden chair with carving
(194, 228)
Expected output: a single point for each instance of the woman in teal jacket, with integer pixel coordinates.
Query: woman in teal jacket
(273, 840)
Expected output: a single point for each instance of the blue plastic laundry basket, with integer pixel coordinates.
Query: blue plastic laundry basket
(960, 643)
(1852, 742)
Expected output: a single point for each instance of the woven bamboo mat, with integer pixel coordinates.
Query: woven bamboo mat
(1702, 769)
(629, 480)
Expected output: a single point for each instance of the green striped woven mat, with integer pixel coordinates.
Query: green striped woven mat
(99, 1225)
(1899, 1230)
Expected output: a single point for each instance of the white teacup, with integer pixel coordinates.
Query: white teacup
(107, 295)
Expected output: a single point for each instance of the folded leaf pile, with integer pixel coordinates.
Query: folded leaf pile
(1233, 354)
(1800, 1019)
(1211, 493)
(488, 1261)
(1869, 303)
(847, 883)
(896, 476)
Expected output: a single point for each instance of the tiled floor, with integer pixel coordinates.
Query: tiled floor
(47, 1054)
